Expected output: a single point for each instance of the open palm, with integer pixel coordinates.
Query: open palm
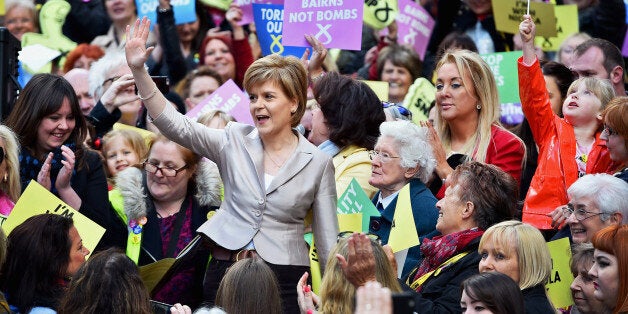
(136, 51)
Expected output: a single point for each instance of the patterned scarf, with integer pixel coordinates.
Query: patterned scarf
(30, 166)
(441, 248)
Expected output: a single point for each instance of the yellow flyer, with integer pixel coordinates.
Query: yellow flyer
(350, 222)
(508, 15)
(566, 25)
(37, 200)
(561, 277)
(380, 88)
(219, 4)
(403, 233)
(379, 13)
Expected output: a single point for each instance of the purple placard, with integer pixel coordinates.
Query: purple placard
(337, 24)
(624, 48)
(247, 9)
(228, 98)
(415, 26)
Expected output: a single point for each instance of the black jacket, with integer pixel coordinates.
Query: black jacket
(441, 293)
(535, 300)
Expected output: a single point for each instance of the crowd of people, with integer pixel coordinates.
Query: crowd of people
(245, 216)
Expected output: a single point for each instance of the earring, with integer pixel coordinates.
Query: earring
(292, 111)
(5, 178)
(478, 106)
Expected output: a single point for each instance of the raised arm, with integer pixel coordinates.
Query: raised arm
(136, 56)
(527, 31)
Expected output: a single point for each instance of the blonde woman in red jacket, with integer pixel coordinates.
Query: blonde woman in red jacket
(569, 147)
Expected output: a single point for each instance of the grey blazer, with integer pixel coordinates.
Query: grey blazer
(273, 218)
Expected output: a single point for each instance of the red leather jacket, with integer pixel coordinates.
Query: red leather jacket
(557, 168)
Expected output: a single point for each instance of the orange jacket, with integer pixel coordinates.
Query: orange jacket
(557, 168)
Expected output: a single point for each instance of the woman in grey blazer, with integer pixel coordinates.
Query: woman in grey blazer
(273, 176)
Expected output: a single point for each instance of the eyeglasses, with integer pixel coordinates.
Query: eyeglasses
(383, 157)
(348, 234)
(111, 79)
(580, 213)
(609, 131)
(402, 110)
(165, 171)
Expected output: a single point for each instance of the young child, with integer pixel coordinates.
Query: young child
(569, 147)
(121, 149)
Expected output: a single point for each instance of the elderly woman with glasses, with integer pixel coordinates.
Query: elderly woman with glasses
(162, 207)
(596, 201)
(403, 158)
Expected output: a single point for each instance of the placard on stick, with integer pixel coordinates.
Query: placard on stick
(509, 14)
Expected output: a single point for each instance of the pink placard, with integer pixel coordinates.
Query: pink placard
(335, 23)
(228, 98)
(415, 26)
(247, 8)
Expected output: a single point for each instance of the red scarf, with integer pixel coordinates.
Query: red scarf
(441, 248)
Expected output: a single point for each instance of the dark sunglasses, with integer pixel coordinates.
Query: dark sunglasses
(402, 110)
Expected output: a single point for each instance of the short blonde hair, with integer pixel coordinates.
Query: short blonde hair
(215, 113)
(535, 262)
(287, 72)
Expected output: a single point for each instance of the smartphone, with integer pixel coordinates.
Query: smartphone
(403, 302)
(160, 307)
(162, 82)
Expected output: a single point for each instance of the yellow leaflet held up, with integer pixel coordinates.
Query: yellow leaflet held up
(380, 88)
(566, 25)
(508, 15)
(380, 13)
(561, 277)
(37, 200)
(403, 233)
(219, 4)
(350, 222)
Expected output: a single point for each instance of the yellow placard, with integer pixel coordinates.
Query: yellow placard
(350, 222)
(315, 269)
(37, 200)
(147, 135)
(566, 25)
(508, 15)
(220, 4)
(2, 8)
(380, 13)
(403, 232)
(561, 277)
(380, 88)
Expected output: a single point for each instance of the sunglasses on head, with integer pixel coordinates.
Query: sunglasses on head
(402, 110)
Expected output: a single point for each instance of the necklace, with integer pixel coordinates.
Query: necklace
(277, 164)
(168, 214)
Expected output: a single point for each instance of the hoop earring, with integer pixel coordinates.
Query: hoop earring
(5, 177)
(478, 106)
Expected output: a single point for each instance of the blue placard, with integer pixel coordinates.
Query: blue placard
(184, 10)
(269, 25)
